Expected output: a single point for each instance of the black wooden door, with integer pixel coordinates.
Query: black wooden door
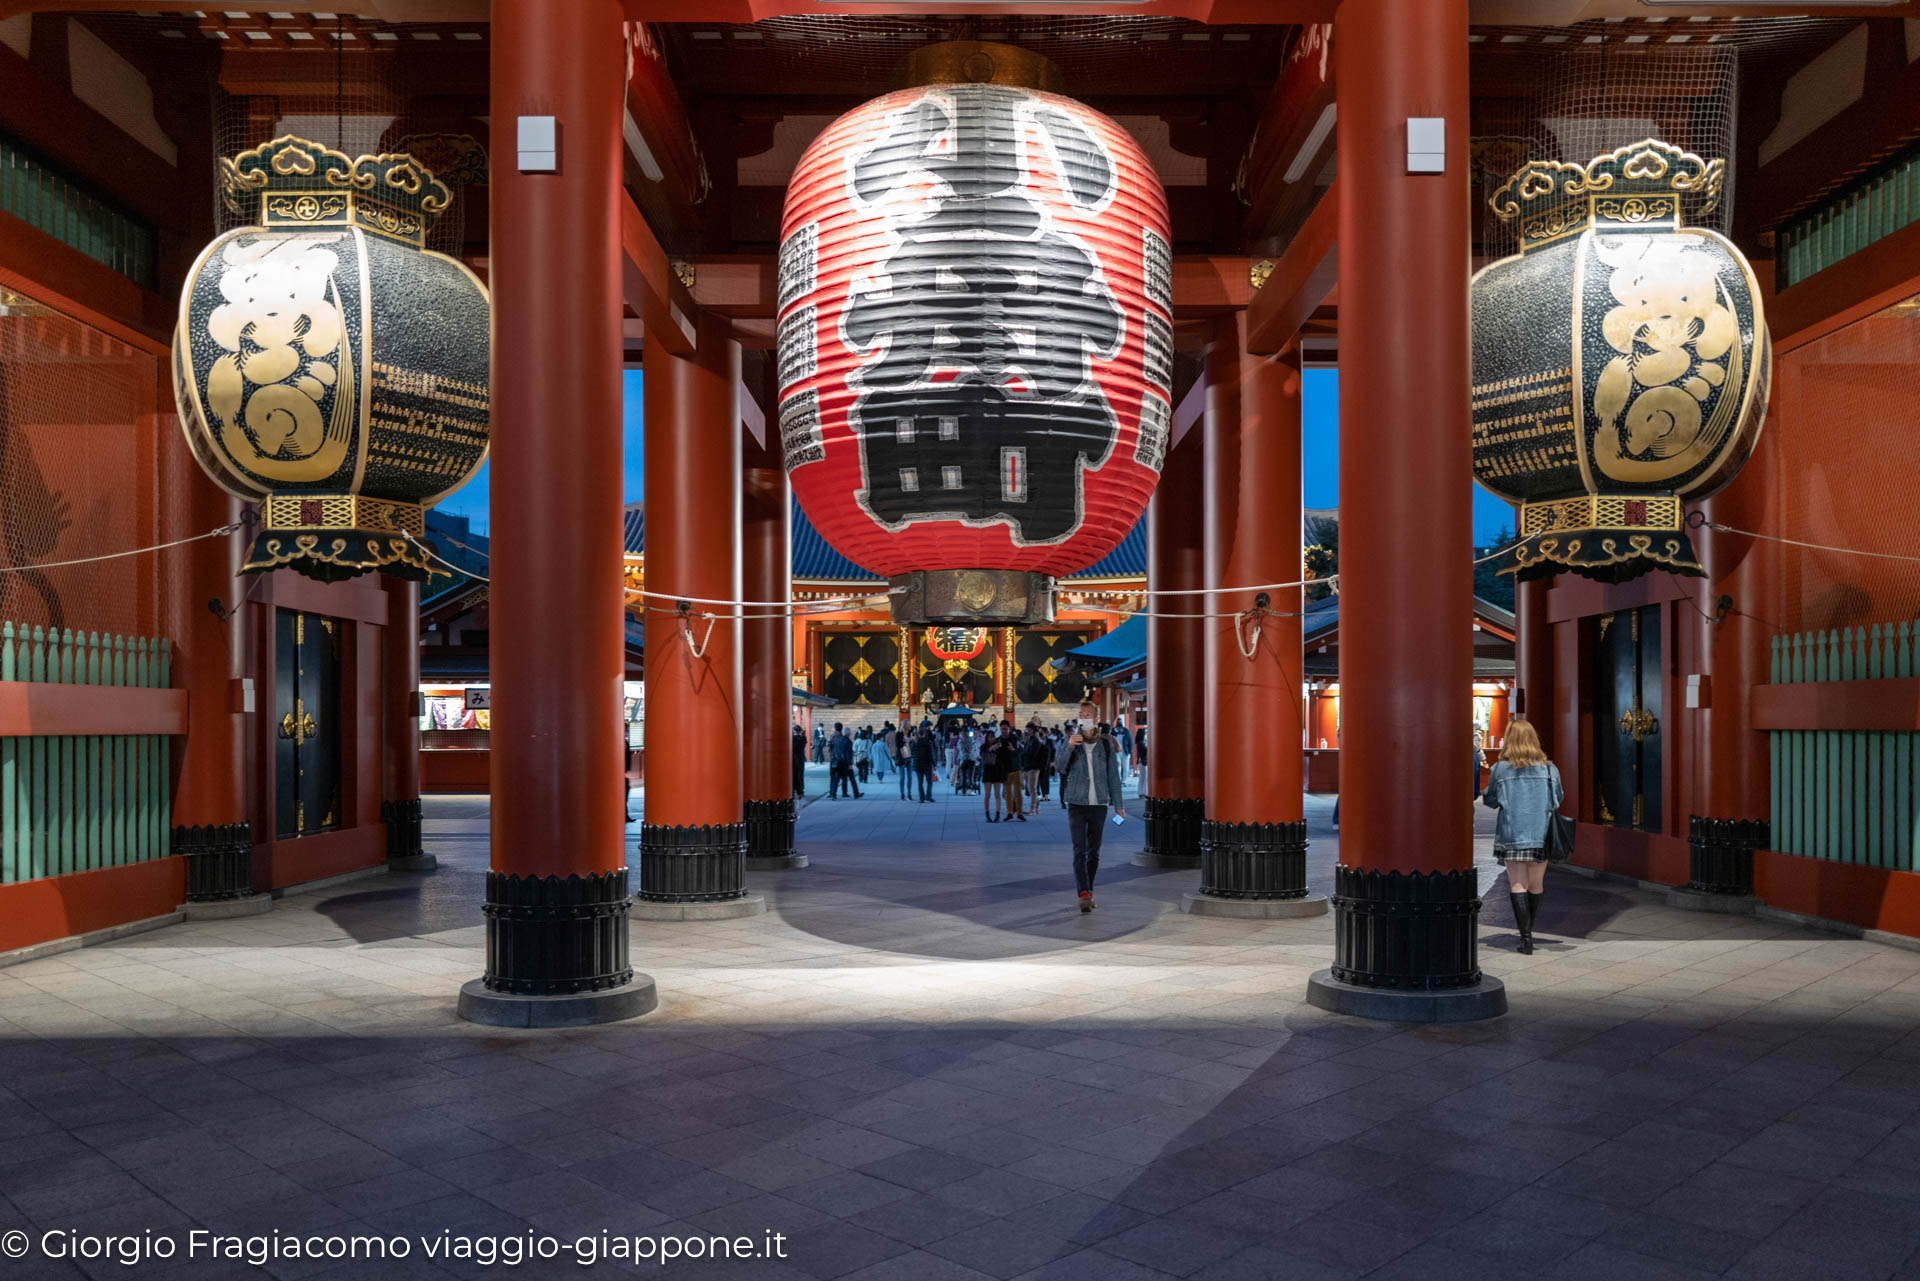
(307, 709)
(1626, 718)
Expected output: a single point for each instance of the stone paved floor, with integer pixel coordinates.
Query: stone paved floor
(923, 1063)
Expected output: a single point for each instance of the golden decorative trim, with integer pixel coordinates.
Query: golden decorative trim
(1607, 550)
(1641, 183)
(982, 62)
(271, 553)
(1657, 512)
(1258, 272)
(300, 183)
(684, 270)
(324, 512)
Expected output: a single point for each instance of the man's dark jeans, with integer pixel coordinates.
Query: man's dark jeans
(1088, 823)
(843, 775)
(926, 783)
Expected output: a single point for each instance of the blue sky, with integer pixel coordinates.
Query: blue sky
(1320, 463)
(1320, 456)
(471, 500)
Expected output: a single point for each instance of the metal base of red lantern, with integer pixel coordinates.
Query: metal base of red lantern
(971, 597)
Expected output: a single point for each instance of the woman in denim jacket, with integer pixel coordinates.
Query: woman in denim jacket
(1525, 788)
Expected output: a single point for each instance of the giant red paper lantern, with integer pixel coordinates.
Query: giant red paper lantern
(976, 343)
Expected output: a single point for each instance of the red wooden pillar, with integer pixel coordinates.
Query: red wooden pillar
(1176, 661)
(1732, 809)
(209, 659)
(400, 675)
(557, 889)
(766, 662)
(1533, 652)
(1254, 842)
(693, 847)
(1406, 900)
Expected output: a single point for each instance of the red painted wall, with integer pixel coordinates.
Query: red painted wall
(59, 906)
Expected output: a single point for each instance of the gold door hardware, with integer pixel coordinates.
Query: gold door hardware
(298, 725)
(1640, 723)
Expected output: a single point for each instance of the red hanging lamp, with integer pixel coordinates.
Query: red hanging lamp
(975, 336)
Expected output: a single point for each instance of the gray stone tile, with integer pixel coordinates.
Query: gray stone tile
(1175, 1247)
(904, 1065)
(922, 1169)
(837, 1248)
(1001, 1250)
(921, 1219)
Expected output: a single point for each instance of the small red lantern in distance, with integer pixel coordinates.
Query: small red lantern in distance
(975, 343)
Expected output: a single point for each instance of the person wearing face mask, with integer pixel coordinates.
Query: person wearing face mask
(1089, 765)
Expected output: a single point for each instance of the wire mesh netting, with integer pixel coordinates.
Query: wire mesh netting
(79, 473)
(1835, 487)
(346, 81)
(1095, 55)
(1576, 92)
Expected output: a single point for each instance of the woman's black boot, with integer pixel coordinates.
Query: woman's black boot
(1533, 909)
(1522, 917)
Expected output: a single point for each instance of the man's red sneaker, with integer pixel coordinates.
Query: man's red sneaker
(1086, 901)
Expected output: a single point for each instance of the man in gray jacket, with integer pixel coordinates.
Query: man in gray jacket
(1089, 765)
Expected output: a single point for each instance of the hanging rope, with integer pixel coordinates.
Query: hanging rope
(138, 551)
(1718, 528)
(686, 630)
(1249, 640)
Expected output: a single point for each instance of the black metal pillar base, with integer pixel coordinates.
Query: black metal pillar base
(694, 873)
(220, 868)
(405, 850)
(770, 835)
(1406, 931)
(556, 954)
(698, 863)
(1253, 860)
(1173, 832)
(1720, 854)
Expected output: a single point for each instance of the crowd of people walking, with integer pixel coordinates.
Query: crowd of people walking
(1011, 769)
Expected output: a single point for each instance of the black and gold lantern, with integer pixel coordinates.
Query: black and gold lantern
(1620, 361)
(329, 367)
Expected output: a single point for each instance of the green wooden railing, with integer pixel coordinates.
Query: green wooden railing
(41, 196)
(1847, 795)
(1850, 221)
(75, 802)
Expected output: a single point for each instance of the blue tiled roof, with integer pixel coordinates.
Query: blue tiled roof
(814, 556)
(815, 559)
(1124, 644)
(1127, 560)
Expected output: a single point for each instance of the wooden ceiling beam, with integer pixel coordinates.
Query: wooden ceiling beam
(649, 285)
(1301, 280)
(1292, 138)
